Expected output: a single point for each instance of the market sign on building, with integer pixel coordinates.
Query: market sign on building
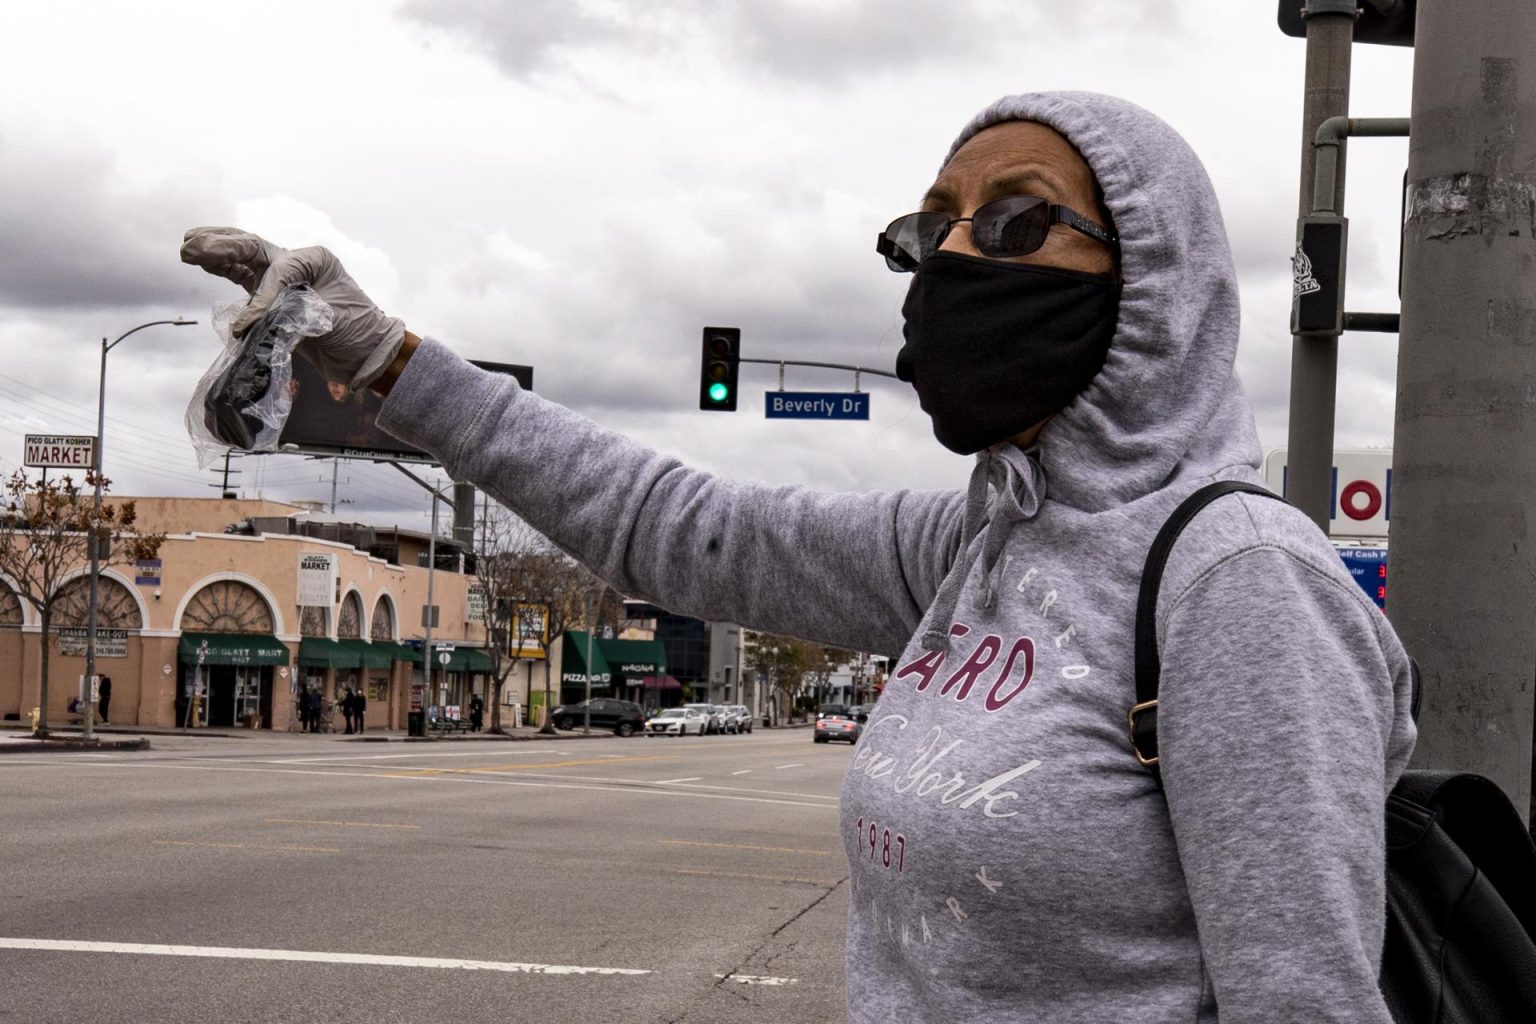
(59, 451)
(477, 596)
(146, 572)
(110, 643)
(317, 580)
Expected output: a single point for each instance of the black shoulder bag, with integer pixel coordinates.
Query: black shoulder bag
(1461, 868)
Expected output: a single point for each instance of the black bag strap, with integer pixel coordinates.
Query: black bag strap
(1143, 715)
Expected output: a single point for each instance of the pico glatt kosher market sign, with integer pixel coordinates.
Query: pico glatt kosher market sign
(317, 580)
(59, 451)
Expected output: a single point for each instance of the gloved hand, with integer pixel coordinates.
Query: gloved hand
(362, 341)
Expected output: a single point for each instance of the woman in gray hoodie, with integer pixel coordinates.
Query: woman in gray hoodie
(1073, 322)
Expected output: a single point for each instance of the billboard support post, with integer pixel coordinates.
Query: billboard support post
(1464, 449)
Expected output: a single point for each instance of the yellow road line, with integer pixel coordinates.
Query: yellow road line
(743, 846)
(758, 878)
(244, 846)
(418, 772)
(348, 824)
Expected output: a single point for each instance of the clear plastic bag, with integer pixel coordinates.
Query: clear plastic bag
(244, 399)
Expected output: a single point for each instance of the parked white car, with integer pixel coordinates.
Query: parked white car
(714, 715)
(678, 722)
(738, 718)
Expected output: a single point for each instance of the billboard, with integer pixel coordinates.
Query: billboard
(328, 421)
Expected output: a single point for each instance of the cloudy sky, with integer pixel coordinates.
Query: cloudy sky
(580, 185)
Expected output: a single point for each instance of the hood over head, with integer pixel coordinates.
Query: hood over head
(1167, 402)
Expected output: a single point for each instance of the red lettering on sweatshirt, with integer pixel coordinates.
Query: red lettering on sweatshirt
(926, 667)
(1024, 647)
(980, 660)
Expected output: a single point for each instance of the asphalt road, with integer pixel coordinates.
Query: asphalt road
(315, 878)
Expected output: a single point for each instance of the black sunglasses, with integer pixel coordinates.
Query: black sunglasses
(1011, 226)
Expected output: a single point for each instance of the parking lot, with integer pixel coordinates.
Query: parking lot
(291, 877)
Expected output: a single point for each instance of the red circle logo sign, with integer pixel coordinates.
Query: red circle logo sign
(1360, 500)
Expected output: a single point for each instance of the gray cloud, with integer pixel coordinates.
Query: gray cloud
(78, 236)
(812, 42)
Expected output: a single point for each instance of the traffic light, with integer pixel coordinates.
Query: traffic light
(717, 369)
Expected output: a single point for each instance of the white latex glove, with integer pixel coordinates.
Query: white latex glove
(362, 341)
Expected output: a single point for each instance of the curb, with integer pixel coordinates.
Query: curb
(50, 746)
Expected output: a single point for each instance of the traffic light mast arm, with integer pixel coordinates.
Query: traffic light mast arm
(827, 366)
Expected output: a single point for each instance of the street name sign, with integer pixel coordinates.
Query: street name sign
(816, 405)
(59, 451)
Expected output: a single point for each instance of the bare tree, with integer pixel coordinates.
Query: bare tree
(45, 528)
(510, 568)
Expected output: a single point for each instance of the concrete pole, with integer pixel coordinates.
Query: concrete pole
(1463, 585)
(1314, 360)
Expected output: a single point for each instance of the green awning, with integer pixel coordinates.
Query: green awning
(573, 660)
(634, 659)
(470, 659)
(400, 652)
(374, 655)
(318, 652)
(232, 649)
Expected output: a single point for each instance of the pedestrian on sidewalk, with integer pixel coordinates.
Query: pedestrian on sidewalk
(476, 713)
(314, 705)
(348, 707)
(359, 708)
(104, 697)
(1072, 323)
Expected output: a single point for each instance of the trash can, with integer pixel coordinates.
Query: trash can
(415, 723)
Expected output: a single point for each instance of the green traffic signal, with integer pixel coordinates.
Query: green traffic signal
(720, 355)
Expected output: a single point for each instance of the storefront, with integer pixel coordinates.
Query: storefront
(229, 679)
(619, 667)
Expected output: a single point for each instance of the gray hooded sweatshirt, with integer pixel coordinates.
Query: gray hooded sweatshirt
(1010, 861)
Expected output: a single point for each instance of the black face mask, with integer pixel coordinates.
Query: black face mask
(994, 348)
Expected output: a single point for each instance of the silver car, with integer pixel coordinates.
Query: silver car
(713, 712)
(739, 719)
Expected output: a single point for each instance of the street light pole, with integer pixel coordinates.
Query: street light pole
(93, 538)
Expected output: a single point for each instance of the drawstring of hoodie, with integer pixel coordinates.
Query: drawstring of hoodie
(1020, 485)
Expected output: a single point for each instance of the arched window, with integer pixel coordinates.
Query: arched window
(227, 606)
(383, 621)
(116, 608)
(349, 624)
(314, 621)
(10, 607)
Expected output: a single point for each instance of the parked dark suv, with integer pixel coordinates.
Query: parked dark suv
(624, 717)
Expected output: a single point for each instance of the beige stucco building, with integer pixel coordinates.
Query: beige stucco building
(215, 634)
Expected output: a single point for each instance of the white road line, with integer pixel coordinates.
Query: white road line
(754, 979)
(744, 771)
(304, 956)
(668, 782)
(382, 757)
(479, 778)
(779, 768)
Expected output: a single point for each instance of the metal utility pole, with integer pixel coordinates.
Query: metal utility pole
(428, 616)
(1330, 26)
(1464, 454)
